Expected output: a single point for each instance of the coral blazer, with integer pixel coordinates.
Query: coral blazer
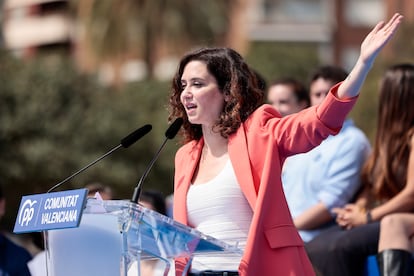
(257, 152)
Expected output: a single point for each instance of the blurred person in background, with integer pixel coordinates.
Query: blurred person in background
(97, 189)
(169, 202)
(396, 244)
(328, 176)
(387, 185)
(13, 258)
(153, 200)
(288, 95)
(37, 265)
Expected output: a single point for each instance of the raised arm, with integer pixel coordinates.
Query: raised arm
(370, 47)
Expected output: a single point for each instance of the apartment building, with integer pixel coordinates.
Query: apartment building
(336, 26)
(32, 26)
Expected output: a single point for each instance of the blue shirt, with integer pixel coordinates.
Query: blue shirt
(329, 173)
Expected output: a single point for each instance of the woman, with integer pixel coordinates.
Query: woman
(233, 152)
(387, 178)
(395, 247)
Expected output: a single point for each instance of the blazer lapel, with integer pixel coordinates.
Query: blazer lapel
(240, 160)
(180, 202)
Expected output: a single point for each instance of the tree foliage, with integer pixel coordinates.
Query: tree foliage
(274, 60)
(53, 121)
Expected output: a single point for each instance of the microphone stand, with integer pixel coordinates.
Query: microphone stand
(169, 134)
(84, 168)
(125, 142)
(138, 189)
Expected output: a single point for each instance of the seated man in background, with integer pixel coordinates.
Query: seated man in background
(329, 175)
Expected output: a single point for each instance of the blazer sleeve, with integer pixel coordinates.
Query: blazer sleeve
(302, 131)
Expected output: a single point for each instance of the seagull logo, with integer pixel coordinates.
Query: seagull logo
(27, 212)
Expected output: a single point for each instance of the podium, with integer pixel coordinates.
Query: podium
(115, 237)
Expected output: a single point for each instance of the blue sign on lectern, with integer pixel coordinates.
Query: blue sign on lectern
(50, 211)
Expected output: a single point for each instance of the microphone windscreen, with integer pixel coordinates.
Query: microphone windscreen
(174, 128)
(135, 136)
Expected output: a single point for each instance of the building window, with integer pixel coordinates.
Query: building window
(296, 11)
(364, 13)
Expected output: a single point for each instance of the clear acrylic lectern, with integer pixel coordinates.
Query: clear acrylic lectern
(116, 237)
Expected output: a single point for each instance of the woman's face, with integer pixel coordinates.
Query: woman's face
(318, 90)
(201, 97)
(284, 100)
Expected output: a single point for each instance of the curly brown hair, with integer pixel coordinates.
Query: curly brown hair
(236, 80)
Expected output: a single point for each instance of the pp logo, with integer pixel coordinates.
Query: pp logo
(26, 212)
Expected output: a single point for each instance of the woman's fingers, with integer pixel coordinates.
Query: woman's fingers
(378, 37)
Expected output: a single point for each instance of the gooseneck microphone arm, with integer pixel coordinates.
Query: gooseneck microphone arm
(138, 190)
(169, 134)
(125, 142)
(84, 168)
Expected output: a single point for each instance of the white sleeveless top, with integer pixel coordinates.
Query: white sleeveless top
(219, 209)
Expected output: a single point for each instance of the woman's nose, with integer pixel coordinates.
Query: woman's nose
(186, 94)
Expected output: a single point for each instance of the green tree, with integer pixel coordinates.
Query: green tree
(53, 121)
(274, 60)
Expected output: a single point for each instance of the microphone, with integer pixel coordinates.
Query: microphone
(125, 142)
(169, 134)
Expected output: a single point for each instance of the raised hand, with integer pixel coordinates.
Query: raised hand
(370, 47)
(378, 37)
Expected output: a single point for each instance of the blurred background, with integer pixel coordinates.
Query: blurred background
(77, 76)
